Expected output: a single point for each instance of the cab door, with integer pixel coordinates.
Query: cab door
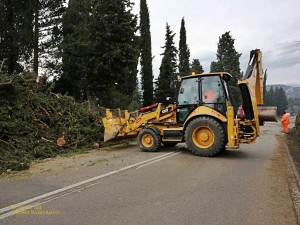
(212, 93)
(188, 98)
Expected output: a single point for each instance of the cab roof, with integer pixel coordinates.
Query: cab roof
(226, 76)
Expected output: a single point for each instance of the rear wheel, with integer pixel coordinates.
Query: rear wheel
(205, 136)
(149, 140)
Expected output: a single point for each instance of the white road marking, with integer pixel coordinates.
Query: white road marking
(157, 160)
(15, 208)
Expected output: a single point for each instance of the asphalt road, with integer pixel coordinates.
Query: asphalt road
(125, 186)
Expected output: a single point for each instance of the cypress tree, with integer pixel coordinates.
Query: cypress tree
(100, 52)
(167, 68)
(76, 48)
(146, 54)
(184, 52)
(16, 34)
(196, 66)
(48, 35)
(265, 85)
(116, 53)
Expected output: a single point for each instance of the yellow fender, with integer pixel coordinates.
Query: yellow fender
(205, 111)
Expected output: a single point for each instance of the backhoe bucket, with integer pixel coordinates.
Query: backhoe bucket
(267, 113)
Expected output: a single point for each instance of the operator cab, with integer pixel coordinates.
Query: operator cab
(210, 90)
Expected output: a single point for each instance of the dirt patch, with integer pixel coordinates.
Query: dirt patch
(59, 163)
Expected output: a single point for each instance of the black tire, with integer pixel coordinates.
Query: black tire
(149, 140)
(170, 144)
(205, 136)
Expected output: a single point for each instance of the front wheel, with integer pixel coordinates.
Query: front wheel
(149, 140)
(205, 136)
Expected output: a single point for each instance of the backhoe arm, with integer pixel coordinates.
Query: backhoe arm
(252, 92)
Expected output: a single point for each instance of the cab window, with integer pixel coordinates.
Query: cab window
(189, 92)
(213, 94)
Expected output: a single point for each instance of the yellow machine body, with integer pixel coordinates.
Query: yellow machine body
(207, 128)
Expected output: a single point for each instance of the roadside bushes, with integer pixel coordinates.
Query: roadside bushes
(32, 118)
(297, 124)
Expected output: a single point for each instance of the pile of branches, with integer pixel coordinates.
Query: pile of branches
(32, 119)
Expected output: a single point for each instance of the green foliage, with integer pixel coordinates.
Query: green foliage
(100, 50)
(297, 125)
(216, 67)
(297, 122)
(32, 120)
(50, 14)
(227, 57)
(146, 55)
(281, 100)
(77, 50)
(184, 52)
(16, 34)
(167, 68)
(269, 97)
(228, 61)
(136, 102)
(196, 66)
(27, 26)
(277, 98)
(265, 85)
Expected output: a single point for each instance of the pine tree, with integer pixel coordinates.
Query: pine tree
(184, 52)
(228, 57)
(270, 101)
(216, 67)
(196, 66)
(167, 68)
(281, 100)
(146, 54)
(228, 61)
(16, 34)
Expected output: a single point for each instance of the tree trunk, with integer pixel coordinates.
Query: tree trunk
(92, 101)
(36, 38)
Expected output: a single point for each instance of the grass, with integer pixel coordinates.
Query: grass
(293, 144)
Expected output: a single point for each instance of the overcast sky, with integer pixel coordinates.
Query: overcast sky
(270, 25)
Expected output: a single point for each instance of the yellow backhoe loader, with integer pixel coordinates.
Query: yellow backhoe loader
(203, 115)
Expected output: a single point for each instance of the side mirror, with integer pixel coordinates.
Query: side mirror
(181, 90)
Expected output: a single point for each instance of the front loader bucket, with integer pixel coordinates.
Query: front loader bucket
(110, 130)
(267, 113)
(118, 124)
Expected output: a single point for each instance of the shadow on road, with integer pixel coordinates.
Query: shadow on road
(227, 154)
(236, 154)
